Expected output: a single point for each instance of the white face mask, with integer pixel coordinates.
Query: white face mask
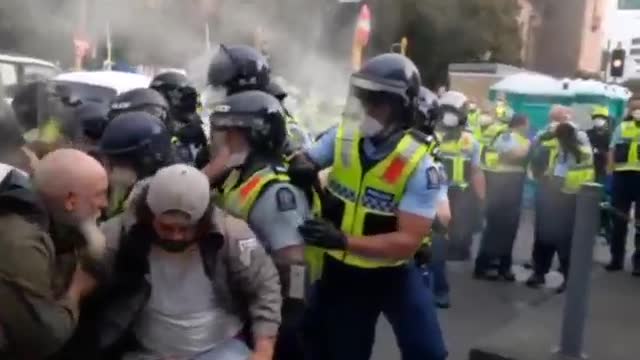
(450, 119)
(485, 120)
(599, 123)
(635, 114)
(370, 127)
(237, 158)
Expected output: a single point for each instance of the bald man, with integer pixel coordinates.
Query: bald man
(47, 233)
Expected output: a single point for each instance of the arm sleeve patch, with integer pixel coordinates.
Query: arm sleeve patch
(286, 200)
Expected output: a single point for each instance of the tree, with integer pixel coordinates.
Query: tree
(442, 32)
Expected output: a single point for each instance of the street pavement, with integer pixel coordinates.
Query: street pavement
(480, 308)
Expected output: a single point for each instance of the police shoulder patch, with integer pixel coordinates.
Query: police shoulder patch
(286, 199)
(433, 178)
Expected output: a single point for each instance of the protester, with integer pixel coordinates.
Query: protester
(49, 244)
(186, 282)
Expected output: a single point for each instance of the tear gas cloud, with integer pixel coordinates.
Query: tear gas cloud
(172, 34)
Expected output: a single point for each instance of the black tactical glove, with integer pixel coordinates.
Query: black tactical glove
(322, 234)
(302, 171)
(423, 255)
(438, 227)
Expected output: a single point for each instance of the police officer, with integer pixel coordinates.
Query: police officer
(505, 163)
(381, 201)
(571, 165)
(238, 68)
(600, 138)
(13, 149)
(460, 154)
(141, 99)
(92, 119)
(431, 258)
(624, 164)
(134, 146)
(473, 115)
(298, 137)
(185, 123)
(251, 127)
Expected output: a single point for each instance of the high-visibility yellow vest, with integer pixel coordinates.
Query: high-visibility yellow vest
(580, 173)
(552, 148)
(492, 160)
(488, 136)
(625, 153)
(455, 155)
(472, 118)
(238, 200)
(364, 202)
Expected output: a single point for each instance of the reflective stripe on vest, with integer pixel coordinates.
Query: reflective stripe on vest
(238, 200)
(456, 158)
(579, 174)
(626, 157)
(492, 160)
(371, 198)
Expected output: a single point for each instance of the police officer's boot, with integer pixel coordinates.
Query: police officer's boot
(535, 280)
(504, 269)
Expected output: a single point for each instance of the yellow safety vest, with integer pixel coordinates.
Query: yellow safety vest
(553, 148)
(488, 135)
(456, 158)
(238, 200)
(579, 174)
(472, 119)
(492, 160)
(625, 153)
(366, 201)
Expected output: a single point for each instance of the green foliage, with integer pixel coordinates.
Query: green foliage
(445, 31)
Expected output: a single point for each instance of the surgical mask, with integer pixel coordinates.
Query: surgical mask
(599, 123)
(370, 127)
(635, 114)
(237, 158)
(450, 119)
(95, 238)
(485, 120)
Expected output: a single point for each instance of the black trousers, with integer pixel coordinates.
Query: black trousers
(553, 229)
(463, 212)
(626, 190)
(503, 207)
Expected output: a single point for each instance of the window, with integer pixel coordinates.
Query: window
(629, 4)
(635, 41)
(34, 72)
(635, 51)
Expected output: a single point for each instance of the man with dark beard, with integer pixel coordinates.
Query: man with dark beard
(48, 241)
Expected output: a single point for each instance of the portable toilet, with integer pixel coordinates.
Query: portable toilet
(587, 95)
(620, 96)
(533, 94)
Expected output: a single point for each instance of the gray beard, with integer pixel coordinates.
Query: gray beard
(96, 241)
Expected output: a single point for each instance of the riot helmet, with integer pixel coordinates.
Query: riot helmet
(176, 89)
(136, 140)
(454, 108)
(384, 95)
(428, 110)
(140, 99)
(92, 119)
(238, 68)
(260, 119)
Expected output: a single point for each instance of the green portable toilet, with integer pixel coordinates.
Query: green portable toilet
(620, 96)
(533, 94)
(587, 95)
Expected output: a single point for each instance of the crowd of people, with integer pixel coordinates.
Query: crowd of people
(129, 232)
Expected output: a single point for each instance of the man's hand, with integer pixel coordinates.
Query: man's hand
(261, 356)
(264, 348)
(218, 163)
(322, 234)
(82, 284)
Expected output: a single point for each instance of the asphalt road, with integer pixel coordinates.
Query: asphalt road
(480, 307)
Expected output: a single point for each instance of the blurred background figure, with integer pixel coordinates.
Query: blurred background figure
(505, 160)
